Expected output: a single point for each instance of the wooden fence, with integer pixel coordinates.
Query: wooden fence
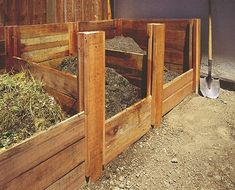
(24, 12)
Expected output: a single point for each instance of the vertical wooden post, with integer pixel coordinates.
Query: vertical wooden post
(196, 54)
(92, 46)
(150, 59)
(72, 29)
(158, 51)
(9, 48)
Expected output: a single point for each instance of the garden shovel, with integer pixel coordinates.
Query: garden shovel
(209, 86)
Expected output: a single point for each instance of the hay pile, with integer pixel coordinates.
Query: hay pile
(25, 108)
(69, 64)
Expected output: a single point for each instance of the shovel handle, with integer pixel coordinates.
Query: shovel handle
(209, 68)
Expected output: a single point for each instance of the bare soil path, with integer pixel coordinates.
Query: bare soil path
(193, 149)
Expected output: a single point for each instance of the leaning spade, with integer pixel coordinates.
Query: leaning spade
(209, 86)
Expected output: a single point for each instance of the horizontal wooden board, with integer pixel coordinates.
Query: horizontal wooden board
(174, 56)
(174, 67)
(125, 128)
(54, 63)
(46, 54)
(125, 59)
(175, 85)
(108, 26)
(67, 103)
(52, 169)
(43, 46)
(71, 181)
(33, 31)
(177, 97)
(62, 82)
(40, 147)
(45, 39)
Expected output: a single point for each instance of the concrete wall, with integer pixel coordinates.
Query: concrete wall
(223, 19)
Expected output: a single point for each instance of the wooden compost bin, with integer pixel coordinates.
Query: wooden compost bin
(59, 157)
(106, 141)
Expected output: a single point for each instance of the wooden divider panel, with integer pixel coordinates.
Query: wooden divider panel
(2, 47)
(45, 157)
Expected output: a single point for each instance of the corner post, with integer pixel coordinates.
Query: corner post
(72, 29)
(158, 53)
(91, 67)
(196, 54)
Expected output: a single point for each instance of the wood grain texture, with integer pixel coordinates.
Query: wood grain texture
(157, 74)
(196, 53)
(125, 128)
(28, 154)
(71, 181)
(177, 97)
(176, 84)
(51, 170)
(94, 99)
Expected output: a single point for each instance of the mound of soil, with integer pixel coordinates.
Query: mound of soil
(25, 109)
(119, 93)
(125, 44)
(170, 75)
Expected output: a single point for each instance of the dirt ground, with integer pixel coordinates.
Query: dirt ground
(193, 149)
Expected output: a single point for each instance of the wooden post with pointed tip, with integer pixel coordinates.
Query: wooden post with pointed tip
(91, 46)
(158, 53)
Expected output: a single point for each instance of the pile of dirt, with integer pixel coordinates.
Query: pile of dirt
(170, 75)
(25, 109)
(119, 93)
(121, 43)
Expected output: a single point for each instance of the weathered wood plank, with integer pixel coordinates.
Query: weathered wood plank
(41, 46)
(71, 181)
(33, 31)
(157, 75)
(94, 98)
(196, 53)
(125, 128)
(46, 54)
(52, 169)
(45, 39)
(179, 82)
(177, 97)
(40, 147)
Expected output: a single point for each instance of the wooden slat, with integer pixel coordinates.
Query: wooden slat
(52, 169)
(60, 81)
(125, 59)
(177, 97)
(94, 98)
(67, 103)
(34, 31)
(43, 46)
(45, 39)
(174, 67)
(176, 84)
(54, 63)
(46, 54)
(125, 128)
(39, 148)
(158, 70)
(174, 56)
(71, 181)
(150, 59)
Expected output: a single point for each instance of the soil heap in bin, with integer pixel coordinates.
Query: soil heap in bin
(127, 44)
(25, 108)
(119, 92)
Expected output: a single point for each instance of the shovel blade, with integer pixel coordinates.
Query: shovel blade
(210, 90)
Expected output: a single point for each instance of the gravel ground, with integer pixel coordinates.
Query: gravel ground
(193, 149)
